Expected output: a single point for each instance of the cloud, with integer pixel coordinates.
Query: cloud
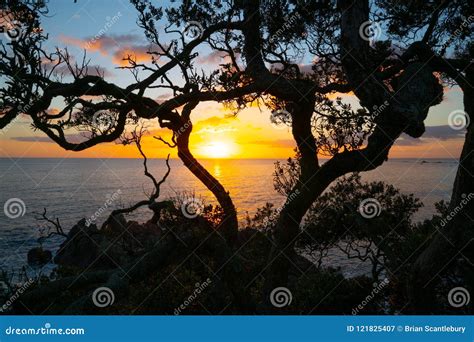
(306, 68)
(73, 138)
(214, 130)
(32, 139)
(218, 57)
(139, 53)
(118, 46)
(280, 143)
(97, 70)
(214, 58)
(216, 125)
(443, 133)
(216, 120)
(52, 111)
(103, 44)
(159, 132)
(163, 97)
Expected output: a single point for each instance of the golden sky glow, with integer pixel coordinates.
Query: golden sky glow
(216, 134)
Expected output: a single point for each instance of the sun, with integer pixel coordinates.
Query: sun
(217, 149)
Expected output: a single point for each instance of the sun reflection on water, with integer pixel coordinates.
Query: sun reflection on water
(217, 170)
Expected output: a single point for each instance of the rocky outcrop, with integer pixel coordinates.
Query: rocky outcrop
(118, 243)
(39, 256)
(80, 249)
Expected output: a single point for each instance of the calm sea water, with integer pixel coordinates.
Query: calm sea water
(72, 189)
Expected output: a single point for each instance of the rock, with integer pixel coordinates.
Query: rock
(39, 256)
(81, 247)
(116, 225)
(91, 248)
(143, 234)
(81, 228)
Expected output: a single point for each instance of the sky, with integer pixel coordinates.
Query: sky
(216, 133)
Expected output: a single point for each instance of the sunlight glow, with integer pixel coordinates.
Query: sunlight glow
(217, 149)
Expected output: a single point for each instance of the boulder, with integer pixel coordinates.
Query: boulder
(81, 247)
(116, 224)
(87, 247)
(38, 256)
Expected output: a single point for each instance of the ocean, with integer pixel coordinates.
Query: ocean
(71, 189)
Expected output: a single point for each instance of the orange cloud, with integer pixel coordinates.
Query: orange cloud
(137, 53)
(117, 46)
(103, 44)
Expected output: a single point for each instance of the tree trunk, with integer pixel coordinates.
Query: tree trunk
(229, 225)
(298, 201)
(314, 179)
(455, 238)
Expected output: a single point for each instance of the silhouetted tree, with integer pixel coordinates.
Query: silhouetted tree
(34, 77)
(264, 42)
(447, 47)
